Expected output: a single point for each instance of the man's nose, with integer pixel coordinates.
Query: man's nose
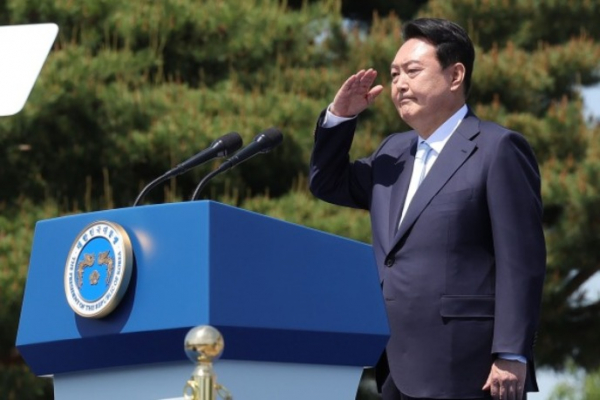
(401, 83)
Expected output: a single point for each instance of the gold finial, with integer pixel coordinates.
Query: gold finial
(204, 344)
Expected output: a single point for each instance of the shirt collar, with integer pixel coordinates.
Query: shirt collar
(440, 136)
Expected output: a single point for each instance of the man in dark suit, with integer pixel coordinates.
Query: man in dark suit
(456, 218)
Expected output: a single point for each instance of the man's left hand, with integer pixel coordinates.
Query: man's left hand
(506, 380)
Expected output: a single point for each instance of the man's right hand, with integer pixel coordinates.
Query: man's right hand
(356, 94)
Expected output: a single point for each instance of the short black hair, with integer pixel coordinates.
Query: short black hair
(451, 41)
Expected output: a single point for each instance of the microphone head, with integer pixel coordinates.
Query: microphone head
(269, 139)
(227, 144)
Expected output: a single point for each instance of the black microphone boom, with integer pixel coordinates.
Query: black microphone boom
(221, 147)
(262, 143)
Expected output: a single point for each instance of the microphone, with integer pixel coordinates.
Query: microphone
(221, 147)
(262, 143)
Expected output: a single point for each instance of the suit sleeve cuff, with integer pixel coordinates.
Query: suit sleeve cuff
(330, 120)
(512, 357)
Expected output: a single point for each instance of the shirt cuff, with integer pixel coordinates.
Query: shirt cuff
(512, 357)
(330, 120)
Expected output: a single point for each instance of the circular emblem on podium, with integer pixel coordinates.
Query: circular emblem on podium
(98, 269)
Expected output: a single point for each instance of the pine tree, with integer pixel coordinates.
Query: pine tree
(133, 88)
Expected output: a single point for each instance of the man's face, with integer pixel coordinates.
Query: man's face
(421, 89)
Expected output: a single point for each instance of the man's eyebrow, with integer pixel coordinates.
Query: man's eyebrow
(404, 64)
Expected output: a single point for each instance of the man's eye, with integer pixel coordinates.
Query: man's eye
(394, 74)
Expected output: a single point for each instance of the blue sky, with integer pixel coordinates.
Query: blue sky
(591, 98)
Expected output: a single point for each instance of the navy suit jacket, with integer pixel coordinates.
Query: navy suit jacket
(462, 276)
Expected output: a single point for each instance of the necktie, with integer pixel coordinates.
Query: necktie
(419, 171)
(425, 150)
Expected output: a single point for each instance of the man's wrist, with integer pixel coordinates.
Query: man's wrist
(330, 120)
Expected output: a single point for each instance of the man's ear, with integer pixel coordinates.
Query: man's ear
(458, 76)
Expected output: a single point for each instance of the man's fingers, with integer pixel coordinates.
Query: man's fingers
(503, 389)
(349, 84)
(366, 78)
(356, 94)
(506, 380)
(511, 391)
(520, 391)
(492, 385)
(495, 389)
(360, 82)
(488, 384)
(502, 392)
(373, 93)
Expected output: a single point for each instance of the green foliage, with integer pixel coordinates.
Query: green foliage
(18, 383)
(572, 189)
(527, 23)
(578, 385)
(16, 233)
(202, 42)
(367, 10)
(133, 88)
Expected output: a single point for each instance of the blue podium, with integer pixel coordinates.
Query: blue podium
(300, 310)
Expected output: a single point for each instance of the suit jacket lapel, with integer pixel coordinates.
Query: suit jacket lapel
(399, 190)
(456, 151)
